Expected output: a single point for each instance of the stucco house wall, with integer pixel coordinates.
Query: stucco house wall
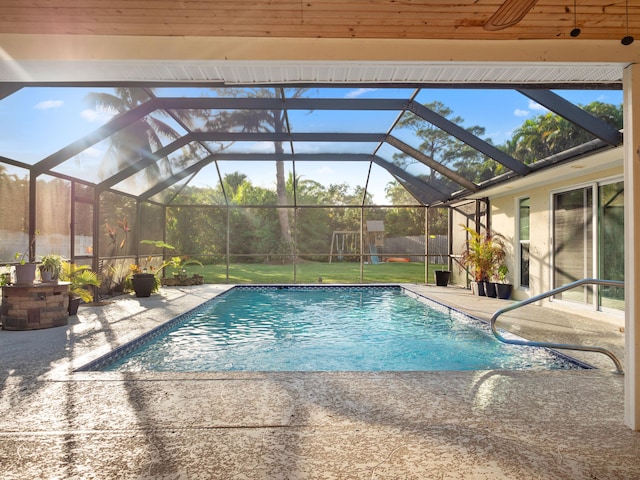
(539, 188)
(504, 219)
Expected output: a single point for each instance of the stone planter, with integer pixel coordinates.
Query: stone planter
(36, 306)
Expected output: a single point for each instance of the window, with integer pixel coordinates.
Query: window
(523, 237)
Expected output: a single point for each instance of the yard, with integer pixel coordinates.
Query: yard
(312, 272)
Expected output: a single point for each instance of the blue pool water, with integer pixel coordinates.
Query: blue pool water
(326, 329)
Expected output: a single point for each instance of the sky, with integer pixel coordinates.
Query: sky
(36, 122)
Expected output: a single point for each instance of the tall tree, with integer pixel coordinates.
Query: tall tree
(233, 181)
(265, 121)
(544, 135)
(443, 147)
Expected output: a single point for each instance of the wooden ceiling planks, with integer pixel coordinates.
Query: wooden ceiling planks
(408, 19)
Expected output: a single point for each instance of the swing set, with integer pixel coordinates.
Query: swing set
(344, 243)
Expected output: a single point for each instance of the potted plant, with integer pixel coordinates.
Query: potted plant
(79, 277)
(25, 271)
(442, 277)
(141, 281)
(503, 288)
(482, 256)
(145, 280)
(179, 273)
(50, 267)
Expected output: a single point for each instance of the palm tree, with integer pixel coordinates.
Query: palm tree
(138, 141)
(265, 121)
(544, 135)
(233, 181)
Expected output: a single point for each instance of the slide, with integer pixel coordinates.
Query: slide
(373, 252)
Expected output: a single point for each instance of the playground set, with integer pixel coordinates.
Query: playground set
(346, 244)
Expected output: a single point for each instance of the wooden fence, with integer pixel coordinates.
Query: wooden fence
(413, 247)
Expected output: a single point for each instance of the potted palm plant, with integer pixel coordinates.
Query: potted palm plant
(80, 277)
(482, 255)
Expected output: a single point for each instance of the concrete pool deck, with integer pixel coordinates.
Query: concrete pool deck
(411, 425)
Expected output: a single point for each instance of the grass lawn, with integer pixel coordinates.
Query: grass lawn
(341, 272)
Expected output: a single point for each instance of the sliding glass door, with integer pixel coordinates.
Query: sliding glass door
(573, 242)
(588, 241)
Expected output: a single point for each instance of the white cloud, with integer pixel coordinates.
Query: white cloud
(257, 147)
(47, 104)
(307, 147)
(95, 116)
(325, 170)
(536, 106)
(359, 92)
(93, 152)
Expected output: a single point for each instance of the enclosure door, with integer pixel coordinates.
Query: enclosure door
(82, 223)
(82, 230)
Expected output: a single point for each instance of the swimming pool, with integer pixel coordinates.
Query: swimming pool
(323, 328)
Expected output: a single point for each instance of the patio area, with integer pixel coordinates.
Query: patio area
(342, 425)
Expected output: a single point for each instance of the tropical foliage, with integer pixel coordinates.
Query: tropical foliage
(135, 144)
(81, 277)
(544, 135)
(484, 254)
(536, 139)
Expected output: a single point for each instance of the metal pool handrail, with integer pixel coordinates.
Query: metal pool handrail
(569, 286)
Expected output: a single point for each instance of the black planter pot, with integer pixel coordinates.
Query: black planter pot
(442, 277)
(74, 303)
(503, 290)
(490, 289)
(143, 284)
(477, 288)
